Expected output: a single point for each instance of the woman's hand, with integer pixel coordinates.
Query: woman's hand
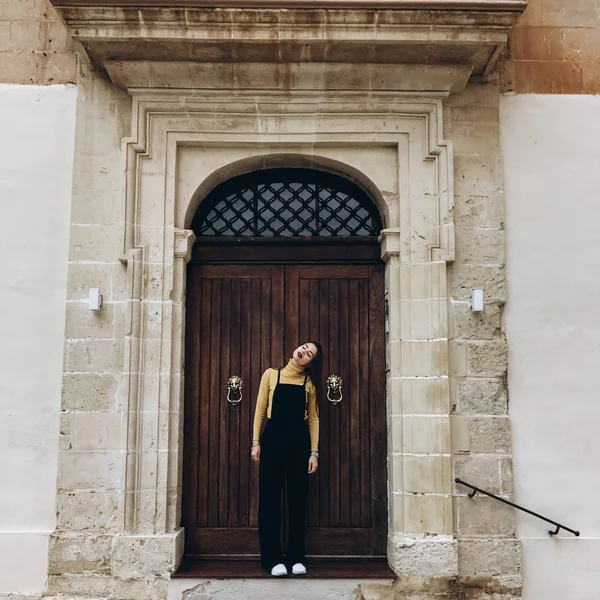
(255, 454)
(313, 464)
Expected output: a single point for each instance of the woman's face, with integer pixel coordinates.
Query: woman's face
(304, 354)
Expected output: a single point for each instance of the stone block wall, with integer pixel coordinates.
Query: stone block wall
(488, 553)
(35, 48)
(554, 49)
(87, 557)
(90, 463)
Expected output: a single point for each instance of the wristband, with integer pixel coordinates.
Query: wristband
(314, 453)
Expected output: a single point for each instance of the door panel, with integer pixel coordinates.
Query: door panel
(243, 319)
(341, 307)
(234, 327)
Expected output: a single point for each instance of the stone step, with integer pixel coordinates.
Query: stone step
(287, 588)
(67, 597)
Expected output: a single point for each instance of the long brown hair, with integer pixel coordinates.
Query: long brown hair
(315, 369)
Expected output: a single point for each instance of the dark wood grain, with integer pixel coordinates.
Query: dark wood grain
(344, 410)
(243, 319)
(213, 393)
(246, 412)
(192, 407)
(363, 387)
(202, 451)
(224, 352)
(256, 371)
(354, 342)
(377, 411)
(333, 414)
(324, 463)
(235, 459)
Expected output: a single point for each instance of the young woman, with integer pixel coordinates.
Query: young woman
(288, 448)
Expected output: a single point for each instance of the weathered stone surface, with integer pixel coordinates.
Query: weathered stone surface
(428, 514)
(465, 278)
(138, 557)
(93, 356)
(459, 431)
(79, 553)
(89, 585)
(81, 322)
(265, 589)
(466, 324)
(484, 516)
(506, 474)
(427, 557)
(94, 431)
(480, 395)
(481, 471)
(88, 470)
(487, 359)
(423, 474)
(82, 277)
(88, 391)
(81, 510)
(423, 435)
(489, 557)
(93, 242)
(500, 587)
(479, 210)
(490, 434)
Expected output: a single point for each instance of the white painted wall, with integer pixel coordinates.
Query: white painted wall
(36, 159)
(550, 146)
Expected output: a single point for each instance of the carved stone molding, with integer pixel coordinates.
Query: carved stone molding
(185, 142)
(432, 32)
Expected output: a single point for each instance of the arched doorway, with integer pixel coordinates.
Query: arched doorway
(284, 255)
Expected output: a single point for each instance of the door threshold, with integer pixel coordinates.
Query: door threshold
(317, 568)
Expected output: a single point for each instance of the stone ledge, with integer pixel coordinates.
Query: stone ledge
(466, 33)
(297, 77)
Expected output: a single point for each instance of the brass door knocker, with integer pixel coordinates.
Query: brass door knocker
(334, 386)
(234, 385)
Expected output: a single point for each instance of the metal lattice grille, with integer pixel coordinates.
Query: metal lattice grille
(287, 202)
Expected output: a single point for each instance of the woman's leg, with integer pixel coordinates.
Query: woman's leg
(271, 473)
(297, 487)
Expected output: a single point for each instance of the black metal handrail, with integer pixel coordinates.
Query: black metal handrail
(476, 489)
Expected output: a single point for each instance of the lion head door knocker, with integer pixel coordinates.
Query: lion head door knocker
(334, 387)
(234, 389)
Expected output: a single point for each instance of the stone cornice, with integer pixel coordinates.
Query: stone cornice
(508, 5)
(469, 33)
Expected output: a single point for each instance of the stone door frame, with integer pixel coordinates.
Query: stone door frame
(183, 143)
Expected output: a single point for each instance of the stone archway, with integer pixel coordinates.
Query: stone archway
(396, 143)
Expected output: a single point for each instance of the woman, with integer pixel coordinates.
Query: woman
(287, 449)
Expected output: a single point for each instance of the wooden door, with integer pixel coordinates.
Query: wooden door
(235, 326)
(243, 319)
(342, 307)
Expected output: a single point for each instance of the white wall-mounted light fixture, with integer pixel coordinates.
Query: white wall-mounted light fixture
(95, 299)
(477, 301)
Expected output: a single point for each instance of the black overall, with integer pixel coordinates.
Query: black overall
(284, 452)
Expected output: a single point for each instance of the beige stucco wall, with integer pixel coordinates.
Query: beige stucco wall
(36, 158)
(550, 150)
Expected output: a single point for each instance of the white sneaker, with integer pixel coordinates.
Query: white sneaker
(279, 570)
(299, 569)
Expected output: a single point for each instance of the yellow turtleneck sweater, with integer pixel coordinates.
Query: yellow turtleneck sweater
(293, 374)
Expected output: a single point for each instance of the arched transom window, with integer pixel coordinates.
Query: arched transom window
(287, 202)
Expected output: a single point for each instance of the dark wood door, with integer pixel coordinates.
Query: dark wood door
(243, 319)
(342, 307)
